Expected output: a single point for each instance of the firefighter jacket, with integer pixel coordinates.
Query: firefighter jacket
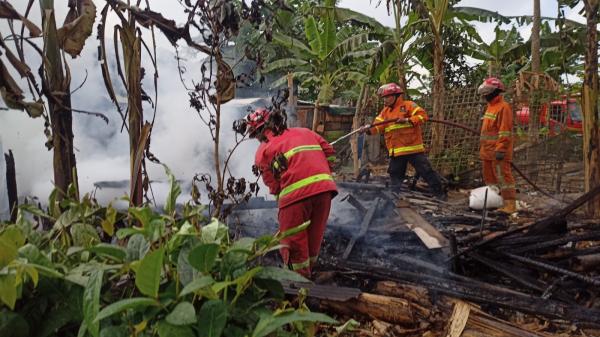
(496, 130)
(402, 138)
(307, 168)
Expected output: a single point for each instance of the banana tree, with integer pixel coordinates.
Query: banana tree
(128, 33)
(391, 60)
(435, 12)
(507, 49)
(53, 100)
(329, 59)
(435, 15)
(535, 38)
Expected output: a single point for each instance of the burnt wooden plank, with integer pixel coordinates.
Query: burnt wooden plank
(364, 227)
(354, 202)
(480, 292)
(428, 234)
(556, 222)
(320, 291)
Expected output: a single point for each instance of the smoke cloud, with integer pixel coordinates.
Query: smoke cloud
(180, 139)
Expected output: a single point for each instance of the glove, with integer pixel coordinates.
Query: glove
(500, 156)
(364, 128)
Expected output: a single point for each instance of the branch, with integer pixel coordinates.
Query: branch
(82, 83)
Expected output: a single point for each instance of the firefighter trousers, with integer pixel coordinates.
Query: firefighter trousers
(301, 250)
(398, 165)
(500, 173)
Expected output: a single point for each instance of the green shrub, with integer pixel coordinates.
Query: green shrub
(168, 275)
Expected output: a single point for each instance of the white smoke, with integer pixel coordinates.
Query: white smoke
(180, 139)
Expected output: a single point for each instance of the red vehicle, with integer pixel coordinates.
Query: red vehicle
(564, 115)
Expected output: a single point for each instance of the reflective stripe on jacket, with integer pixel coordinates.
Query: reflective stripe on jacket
(405, 138)
(308, 171)
(496, 130)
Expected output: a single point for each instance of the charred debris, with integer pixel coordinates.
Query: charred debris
(405, 264)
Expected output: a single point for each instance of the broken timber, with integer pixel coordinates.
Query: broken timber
(469, 289)
(354, 202)
(553, 223)
(556, 222)
(465, 319)
(364, 227)
(428, 234)
(408, 305)
(322, 292)
(385, 308)
(549, 267)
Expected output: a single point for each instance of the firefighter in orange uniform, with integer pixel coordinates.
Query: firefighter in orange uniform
(404, 138)
(496, 143)
(295, 164)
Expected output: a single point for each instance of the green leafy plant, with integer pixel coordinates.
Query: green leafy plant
(174, 275)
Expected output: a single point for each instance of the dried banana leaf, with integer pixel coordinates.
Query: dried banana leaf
(77, 27)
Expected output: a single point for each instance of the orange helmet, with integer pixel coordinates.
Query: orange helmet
(489, 85)
(389, 89)
(255, 120)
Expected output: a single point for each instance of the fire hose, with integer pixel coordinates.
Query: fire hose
(389, 121)
(466, 128)
(457, 125)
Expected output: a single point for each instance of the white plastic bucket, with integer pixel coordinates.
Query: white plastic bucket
(477, 198)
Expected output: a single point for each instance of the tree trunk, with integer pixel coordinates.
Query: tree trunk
(402, 78)
(292, 116)
(535, 38)
(535, 108)
(131, 44)
(437, 130)
(59, 106)
(356, 121)
(217, 142)
(11, 186)
(65, 168)
(591, 130)
(315, 121)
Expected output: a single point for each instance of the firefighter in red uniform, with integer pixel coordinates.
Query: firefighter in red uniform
(295, 164)
(496, 142)
(404, 138)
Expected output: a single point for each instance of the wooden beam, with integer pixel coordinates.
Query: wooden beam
(322, 292)
(464, 319)
(469, 289)
(556, 222)
(364, 227)
(385, 308)
(428, 234)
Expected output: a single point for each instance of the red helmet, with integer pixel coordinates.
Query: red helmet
(257, 119)
(389, 89)
(489, 85)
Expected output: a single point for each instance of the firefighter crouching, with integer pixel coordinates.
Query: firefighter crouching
(295, 164)
(496, 142)
(404, 138)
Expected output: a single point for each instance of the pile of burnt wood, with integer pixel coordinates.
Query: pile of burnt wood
(476, 275)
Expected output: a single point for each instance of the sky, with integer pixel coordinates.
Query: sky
(180, 139)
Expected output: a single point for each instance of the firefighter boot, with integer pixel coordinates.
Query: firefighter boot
(510, 206)
(442, 196)
(395, 184)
